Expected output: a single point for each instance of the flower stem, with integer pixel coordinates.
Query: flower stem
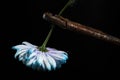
(65, 7)
(43, 47)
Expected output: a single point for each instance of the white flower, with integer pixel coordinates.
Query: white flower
(31, 56)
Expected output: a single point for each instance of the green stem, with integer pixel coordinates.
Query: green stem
(43, 47)
(65, 7)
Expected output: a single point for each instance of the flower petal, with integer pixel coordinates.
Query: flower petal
(31, 61)
(59, 55)
(32, 55)
(51, 61)
(20, 52)
(28, 44)
(19, 47)
(46, 62)
(21, 59)
(40, 60)
(51, 49)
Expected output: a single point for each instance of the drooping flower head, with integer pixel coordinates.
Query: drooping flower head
(31, 56)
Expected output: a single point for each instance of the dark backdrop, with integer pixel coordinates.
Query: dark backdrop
(22, 21)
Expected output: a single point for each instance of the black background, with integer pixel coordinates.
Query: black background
(21, 20)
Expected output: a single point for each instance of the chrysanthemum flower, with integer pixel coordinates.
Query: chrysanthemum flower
(31, 56)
